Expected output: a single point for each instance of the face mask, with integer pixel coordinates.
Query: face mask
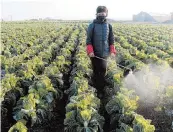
(101, 18)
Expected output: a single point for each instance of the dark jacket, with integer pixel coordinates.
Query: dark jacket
(100, 35)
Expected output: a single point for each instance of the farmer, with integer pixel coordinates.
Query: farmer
(100, 43)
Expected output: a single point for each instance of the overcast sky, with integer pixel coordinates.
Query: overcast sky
(81, 9)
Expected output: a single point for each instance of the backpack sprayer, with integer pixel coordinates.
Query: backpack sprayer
(131, 72)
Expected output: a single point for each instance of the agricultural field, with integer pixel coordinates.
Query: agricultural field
(46, 79)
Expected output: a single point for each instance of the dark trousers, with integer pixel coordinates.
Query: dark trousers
(99, 71)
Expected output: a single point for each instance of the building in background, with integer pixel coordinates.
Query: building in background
(152, 17)
(143, 17)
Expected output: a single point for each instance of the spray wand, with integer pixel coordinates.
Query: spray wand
(131, 72)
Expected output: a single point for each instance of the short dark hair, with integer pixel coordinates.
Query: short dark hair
(101, 9)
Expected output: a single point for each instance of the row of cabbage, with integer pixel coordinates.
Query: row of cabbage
(152, 41)
(35, 81)
(83, 110)
(34, 67)
(152, 64)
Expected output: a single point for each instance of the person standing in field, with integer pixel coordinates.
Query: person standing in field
(100, 43)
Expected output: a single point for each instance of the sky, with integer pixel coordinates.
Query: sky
(80, 9)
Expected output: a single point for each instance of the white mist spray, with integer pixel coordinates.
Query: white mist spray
(150, 81)
(150, 84)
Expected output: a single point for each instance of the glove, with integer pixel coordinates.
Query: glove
(90, 51)
(112, 51)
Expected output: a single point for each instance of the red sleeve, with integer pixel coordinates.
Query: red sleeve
(112, 49)
(89, 48)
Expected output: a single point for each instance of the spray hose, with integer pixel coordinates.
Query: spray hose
(117, 64)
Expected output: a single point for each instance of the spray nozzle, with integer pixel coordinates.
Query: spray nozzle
(130, 72)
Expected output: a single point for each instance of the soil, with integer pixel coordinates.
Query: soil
(160, 120)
